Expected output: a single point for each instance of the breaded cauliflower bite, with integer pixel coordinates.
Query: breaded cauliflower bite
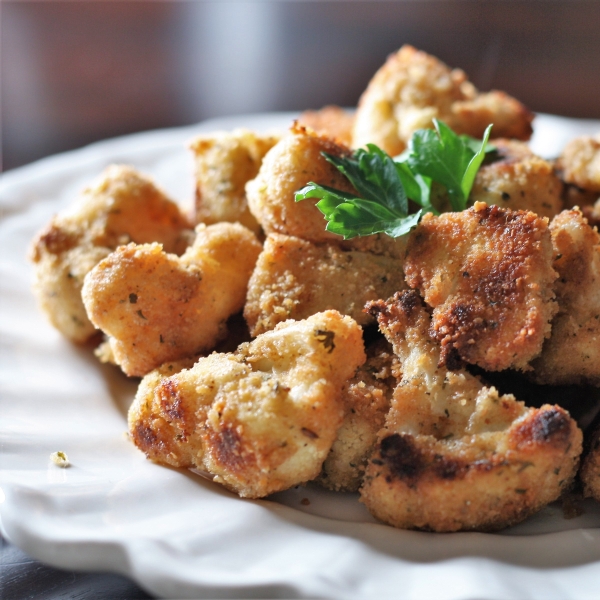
(366, 399)
(520, 180)
(287, 168)
(157, 307)
(331, 121)
(259, 420)
(122, 206)
(572, 353)
(224, 163)
(294, 279)
(292, 163)
(413, 87)
(579, 162)
(487, 273)
(454, 454)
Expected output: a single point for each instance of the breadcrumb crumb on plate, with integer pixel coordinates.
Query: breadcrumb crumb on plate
(60, 459)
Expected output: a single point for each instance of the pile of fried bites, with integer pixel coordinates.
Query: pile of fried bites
(314, 391)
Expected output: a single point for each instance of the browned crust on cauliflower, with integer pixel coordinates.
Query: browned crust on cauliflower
(487, 273)
(572, 353)
(156, 307)
(260, 420)
(366, 400)
(294, 279)
(122, 206)
(413, 87)
(224, 163)
(454, 454)
(511, 119)
(331, 121)
(579, 162)
(287, 168)
(520, 180)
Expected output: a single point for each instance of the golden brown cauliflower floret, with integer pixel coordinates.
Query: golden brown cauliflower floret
(366, 399)
(572, 353)
(580, 162)
(157, 307)
(454, 454)
(331, 121)
(259, 420)
(225, 162)
(520, 180)
(294, 279)
(288, 167)
(122, 206)
(412, 88)
(487, 273)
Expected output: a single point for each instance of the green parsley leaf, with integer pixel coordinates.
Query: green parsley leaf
(473, 166)
(351, 216)
(418, 188)
(386, 184)
(374, 175)
(475, 144)
(443, 156)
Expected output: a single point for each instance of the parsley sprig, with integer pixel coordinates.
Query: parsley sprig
(385, 184)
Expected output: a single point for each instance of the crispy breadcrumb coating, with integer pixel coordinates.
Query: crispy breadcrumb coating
(572, 353)
(122, 206)
(331, 121)
(413, 87)
(366, 400)
(580, 162)
(157, 307)
(259, 420)
(294, 279)
(487, 273)
(224, 163)
(287, 168)
(454, 454)
(520, 180)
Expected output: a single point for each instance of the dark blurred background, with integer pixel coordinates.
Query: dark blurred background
(75, 72)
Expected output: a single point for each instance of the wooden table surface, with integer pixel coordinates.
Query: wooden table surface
(22, 578)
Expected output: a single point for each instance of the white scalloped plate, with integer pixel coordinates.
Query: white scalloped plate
(174, 533)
